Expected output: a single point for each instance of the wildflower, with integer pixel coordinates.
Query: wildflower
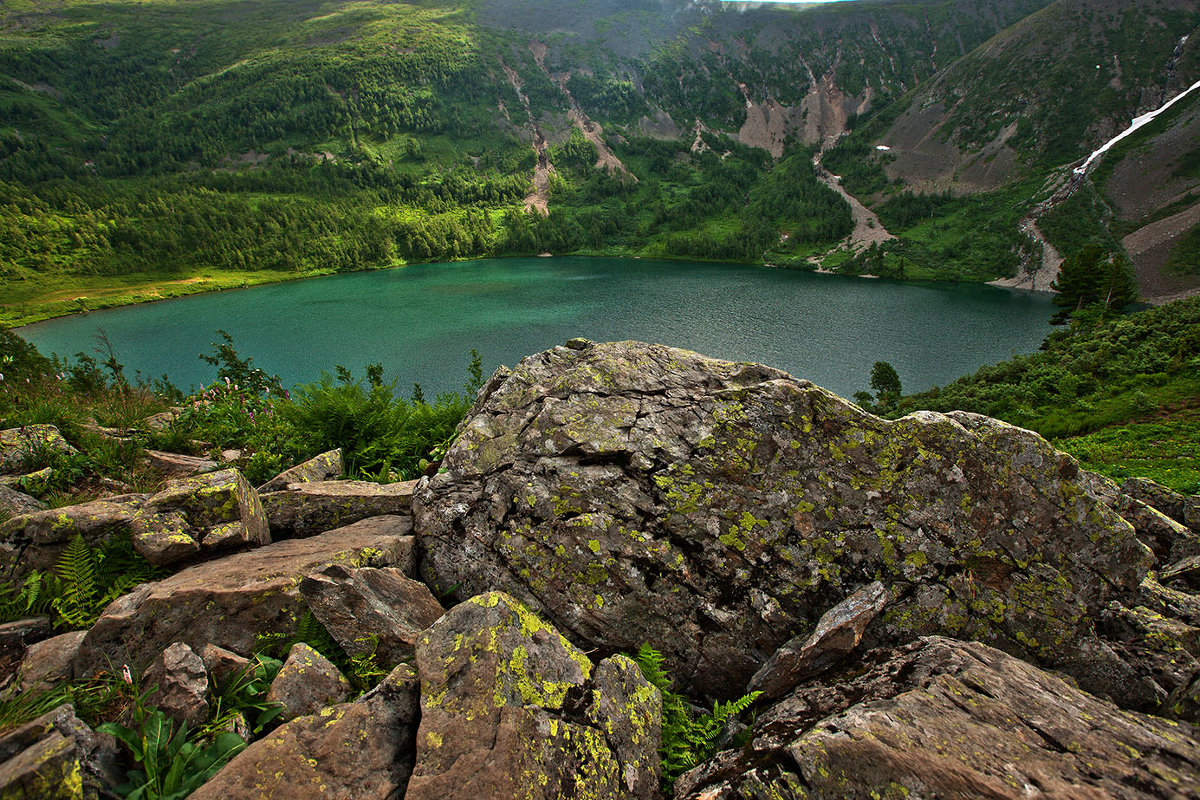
(126, 675)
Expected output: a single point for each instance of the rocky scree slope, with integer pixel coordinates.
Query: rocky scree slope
(941, 605)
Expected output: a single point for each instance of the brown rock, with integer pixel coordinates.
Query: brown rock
(836, 635)
(496, 720)
(325, 467)
(36, 540)
(356, 751)
(181, 685)
(943, 718)
(307, 683)
(177, 465)
(49, 662)
(369, 609)
(632, 492)
(306, 509)
(223, 666)
(227, 602)
(14, 503)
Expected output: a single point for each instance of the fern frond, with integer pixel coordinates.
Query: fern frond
(76, 569)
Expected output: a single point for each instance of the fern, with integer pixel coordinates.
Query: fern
(76, 606)
(688, 735)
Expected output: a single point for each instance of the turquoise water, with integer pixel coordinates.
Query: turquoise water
(421, 321)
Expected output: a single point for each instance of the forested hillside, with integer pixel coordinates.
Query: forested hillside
(156, 147)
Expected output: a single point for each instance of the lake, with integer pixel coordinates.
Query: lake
(421, 321)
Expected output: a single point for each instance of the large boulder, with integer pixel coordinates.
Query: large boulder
(37, 539)
(177, 683)
(230, 601)
(306, 509)
(355, 751)
(633, 492)
(944, 718)
(14, 503)
(509, 708)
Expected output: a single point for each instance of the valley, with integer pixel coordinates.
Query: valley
(156, 149)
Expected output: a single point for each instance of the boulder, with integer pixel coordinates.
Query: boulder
(56, 757)
(944, 718)
(28, 482)
(325, 467)
(1156, 648)
(306, 683)
(14, 503)
(179, 685)
(21, 449)
(36, 540)
(370, 609)
(632, 492)
(510, 708)
(205, 514)
(223, 666)
(177, 465)
(355, 751)
(229, 601)
(50, 661)
(1179, 507)
(835, 637)
(19, 634)
(1170, 540)
(306, 509)
(218, 505)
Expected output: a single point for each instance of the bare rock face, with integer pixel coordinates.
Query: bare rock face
(355, 751)
(1179, 507)
(632, 492)
(327, 466)
(509, 708)
(180, 684)
(228, 601)
(306, 683)
(306, 509)
(944, 718)
(371, 609)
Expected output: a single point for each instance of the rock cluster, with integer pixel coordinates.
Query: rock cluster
(939, 606)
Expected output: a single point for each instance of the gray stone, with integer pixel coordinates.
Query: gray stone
(495, 715)
(306, 509)
(307, 683)
(1170, 540)
(632, 492)
(36, 540)
(1179, 507)
(355, 751)
(56, 757)
(221, 503)
(229, 601)
(369, 609)
(835, 637)
(324, 467)
(180, 684)
(943, 718)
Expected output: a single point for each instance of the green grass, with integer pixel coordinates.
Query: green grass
(1165, 450)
